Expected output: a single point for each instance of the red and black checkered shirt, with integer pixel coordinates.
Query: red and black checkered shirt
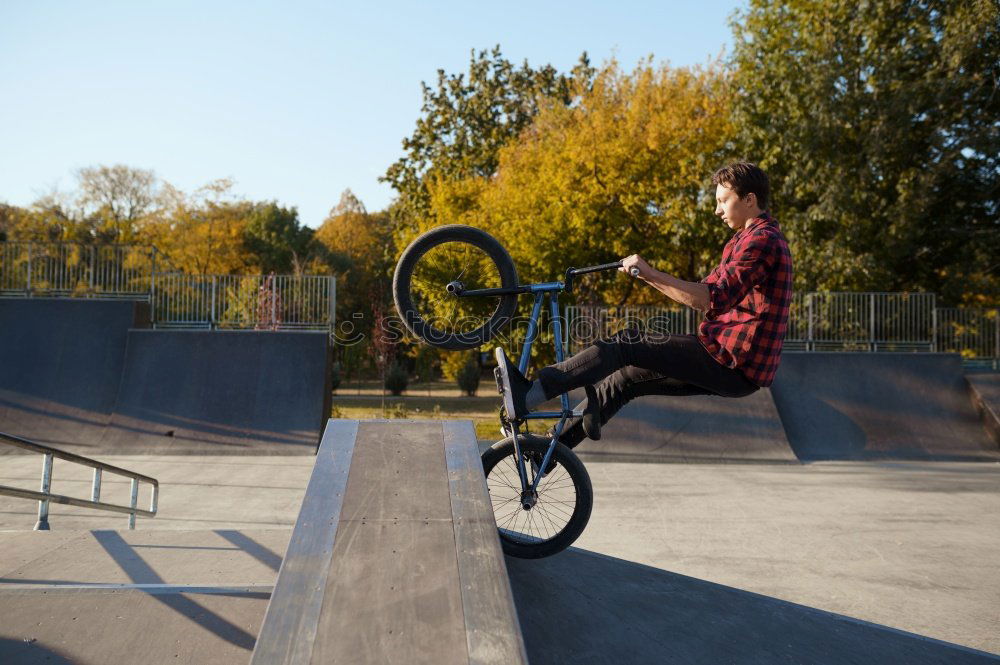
(749, 295)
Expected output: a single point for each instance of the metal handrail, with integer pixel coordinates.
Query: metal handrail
(44, 497)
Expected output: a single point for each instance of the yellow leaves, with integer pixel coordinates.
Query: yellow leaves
(619, 171)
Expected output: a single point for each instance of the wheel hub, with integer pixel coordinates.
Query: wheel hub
(528, 500)
(455, 287)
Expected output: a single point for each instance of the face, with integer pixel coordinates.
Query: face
(733, 210)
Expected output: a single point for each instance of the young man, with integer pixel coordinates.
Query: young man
(738, 346)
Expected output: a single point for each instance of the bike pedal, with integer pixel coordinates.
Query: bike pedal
(499, 380)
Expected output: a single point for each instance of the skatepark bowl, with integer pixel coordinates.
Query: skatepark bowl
(848, 514)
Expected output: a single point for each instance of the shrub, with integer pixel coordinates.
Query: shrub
(396, 379)
(427, 358)
(334, 377)
(452, 363)
(468, 377)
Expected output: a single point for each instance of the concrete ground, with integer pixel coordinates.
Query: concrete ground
(911, 546)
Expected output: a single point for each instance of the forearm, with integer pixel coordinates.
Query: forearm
(692, 294)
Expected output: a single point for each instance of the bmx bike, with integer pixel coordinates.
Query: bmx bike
(455, 287)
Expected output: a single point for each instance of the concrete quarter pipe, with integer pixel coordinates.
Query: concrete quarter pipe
(77, 374)
(879, 406)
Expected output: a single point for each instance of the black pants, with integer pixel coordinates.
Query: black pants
(631, 364)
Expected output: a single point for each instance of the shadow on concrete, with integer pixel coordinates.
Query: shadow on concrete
(580, 607)
(30, 652)
(266, 556)
(141, 572)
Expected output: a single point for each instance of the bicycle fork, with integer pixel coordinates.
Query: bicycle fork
(529, 488)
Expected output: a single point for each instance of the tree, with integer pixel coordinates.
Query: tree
(466, 119)
(276, 239)
(879, 124)
(117, 198)
(361, 254)
(624, 169)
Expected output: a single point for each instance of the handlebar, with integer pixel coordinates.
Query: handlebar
(573, 272)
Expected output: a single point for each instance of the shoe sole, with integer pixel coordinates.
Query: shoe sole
(503, 382)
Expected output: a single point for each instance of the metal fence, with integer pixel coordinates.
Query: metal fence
(840, 321)
(65, 269)
(827, 321)
(141, 272)
(972, 332)
(272, 302)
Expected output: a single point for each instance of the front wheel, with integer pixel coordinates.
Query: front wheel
(435, 268)
(561, 506)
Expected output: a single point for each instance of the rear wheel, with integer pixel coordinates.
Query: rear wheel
(465, 258)
(559, 510)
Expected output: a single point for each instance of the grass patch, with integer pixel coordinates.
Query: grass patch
(486, 420)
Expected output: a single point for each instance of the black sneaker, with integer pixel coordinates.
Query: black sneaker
(512, 385)
(592, 415)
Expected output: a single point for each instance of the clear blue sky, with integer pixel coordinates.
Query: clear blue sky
(295, 101)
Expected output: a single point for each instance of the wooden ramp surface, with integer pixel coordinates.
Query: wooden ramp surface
(395, 556)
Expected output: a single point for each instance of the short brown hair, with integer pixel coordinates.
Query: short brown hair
(745, 178)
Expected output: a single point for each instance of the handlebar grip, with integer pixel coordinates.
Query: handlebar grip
(634, 272)
(590, 269)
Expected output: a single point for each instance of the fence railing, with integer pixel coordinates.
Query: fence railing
(972, 332)
(273, 302)
(45, 495)
(270, 302)
(60, 269)
(827, 321)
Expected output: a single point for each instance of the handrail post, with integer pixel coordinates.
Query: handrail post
(211, 320)
(934, 326)
(871, 321)
(133, 503)
(27, 286)
(333, 303)
(810, 345)
(43, 506)
(95, 490)
(152, 291)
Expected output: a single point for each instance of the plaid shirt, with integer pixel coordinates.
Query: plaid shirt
(749, 295)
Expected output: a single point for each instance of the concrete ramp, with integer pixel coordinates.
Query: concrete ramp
(81, 375)
(984, 389)
(220, 392)
(695, 428)
(395, 556)
(841, 406)
(61, 361)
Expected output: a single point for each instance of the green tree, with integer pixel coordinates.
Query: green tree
(467, 118)
(275, 239)
(879, 124)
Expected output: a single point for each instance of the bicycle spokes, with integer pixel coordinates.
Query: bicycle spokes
(551, 507)
(450, 263)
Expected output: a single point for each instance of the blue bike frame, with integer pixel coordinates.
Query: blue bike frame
(552, 289)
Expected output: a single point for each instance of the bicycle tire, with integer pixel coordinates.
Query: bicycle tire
(567, 464)
(497, 270)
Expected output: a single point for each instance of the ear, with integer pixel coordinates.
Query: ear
(750, 199)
